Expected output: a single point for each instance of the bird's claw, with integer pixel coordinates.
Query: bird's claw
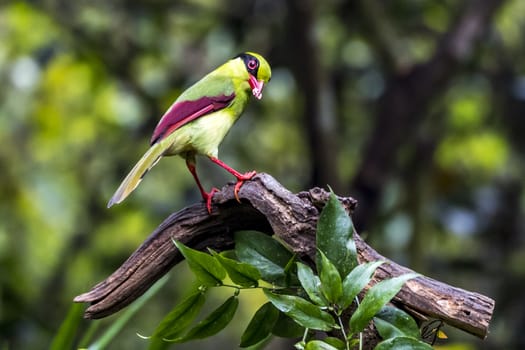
(240, 180)
(209, 197)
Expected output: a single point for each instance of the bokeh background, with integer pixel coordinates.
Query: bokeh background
(414, 107)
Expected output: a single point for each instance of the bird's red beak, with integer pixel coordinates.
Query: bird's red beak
(256, 86)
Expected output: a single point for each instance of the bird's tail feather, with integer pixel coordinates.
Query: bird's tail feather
(132, 180)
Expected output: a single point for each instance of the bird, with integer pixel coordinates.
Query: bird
(199, 119)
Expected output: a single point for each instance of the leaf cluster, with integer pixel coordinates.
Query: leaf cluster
(300, 300)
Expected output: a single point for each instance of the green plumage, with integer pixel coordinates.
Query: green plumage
(205, 130)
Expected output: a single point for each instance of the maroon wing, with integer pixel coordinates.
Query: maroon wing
(181, 113)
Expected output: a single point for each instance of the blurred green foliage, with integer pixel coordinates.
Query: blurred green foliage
(84, 83)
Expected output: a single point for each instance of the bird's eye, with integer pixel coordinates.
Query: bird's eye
(252, 64)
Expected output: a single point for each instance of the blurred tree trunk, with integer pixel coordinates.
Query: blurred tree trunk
(416, 189)
(504, 236)
(317, 104)
(406, 101)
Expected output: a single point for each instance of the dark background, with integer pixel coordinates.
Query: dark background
(415, 108)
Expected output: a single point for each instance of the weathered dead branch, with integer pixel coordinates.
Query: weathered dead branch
(269, 207)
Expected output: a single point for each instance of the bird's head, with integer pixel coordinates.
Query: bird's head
(259, 71)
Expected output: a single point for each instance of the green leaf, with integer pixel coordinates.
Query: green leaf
(331, 285)
(392, 322)
(403, 343)
(311, 284)
(319, 345)
(260, 326)
(213, 323)
(286, 327)
(335, 342)
(264, 253)
(178, 319)
(301, 311)
(66, 334)
(375, 299)
(356, 280)
(242, 274)
(111, 332)
(334, 236)
(155, 344)
(205, 267)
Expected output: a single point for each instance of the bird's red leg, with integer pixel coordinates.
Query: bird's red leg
(240, 177)
(190, 163)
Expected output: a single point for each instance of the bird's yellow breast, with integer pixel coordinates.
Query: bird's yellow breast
(203, 135)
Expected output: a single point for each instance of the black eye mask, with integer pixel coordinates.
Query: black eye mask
(251, 63)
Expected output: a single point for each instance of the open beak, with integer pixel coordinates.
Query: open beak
(256, 86)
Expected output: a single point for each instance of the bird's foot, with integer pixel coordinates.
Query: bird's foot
(240, 180)
(208, 198)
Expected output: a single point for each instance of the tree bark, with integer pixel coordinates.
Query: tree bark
(268, 207)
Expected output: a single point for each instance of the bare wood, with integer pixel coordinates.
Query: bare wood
(269, 207)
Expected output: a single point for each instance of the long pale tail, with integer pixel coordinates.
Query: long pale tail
(132, 180)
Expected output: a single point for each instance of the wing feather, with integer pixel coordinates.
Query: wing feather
(182, 112)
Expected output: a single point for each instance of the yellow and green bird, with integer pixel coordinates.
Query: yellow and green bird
(197, 122)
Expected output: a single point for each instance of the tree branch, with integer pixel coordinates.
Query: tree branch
(270, 208)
